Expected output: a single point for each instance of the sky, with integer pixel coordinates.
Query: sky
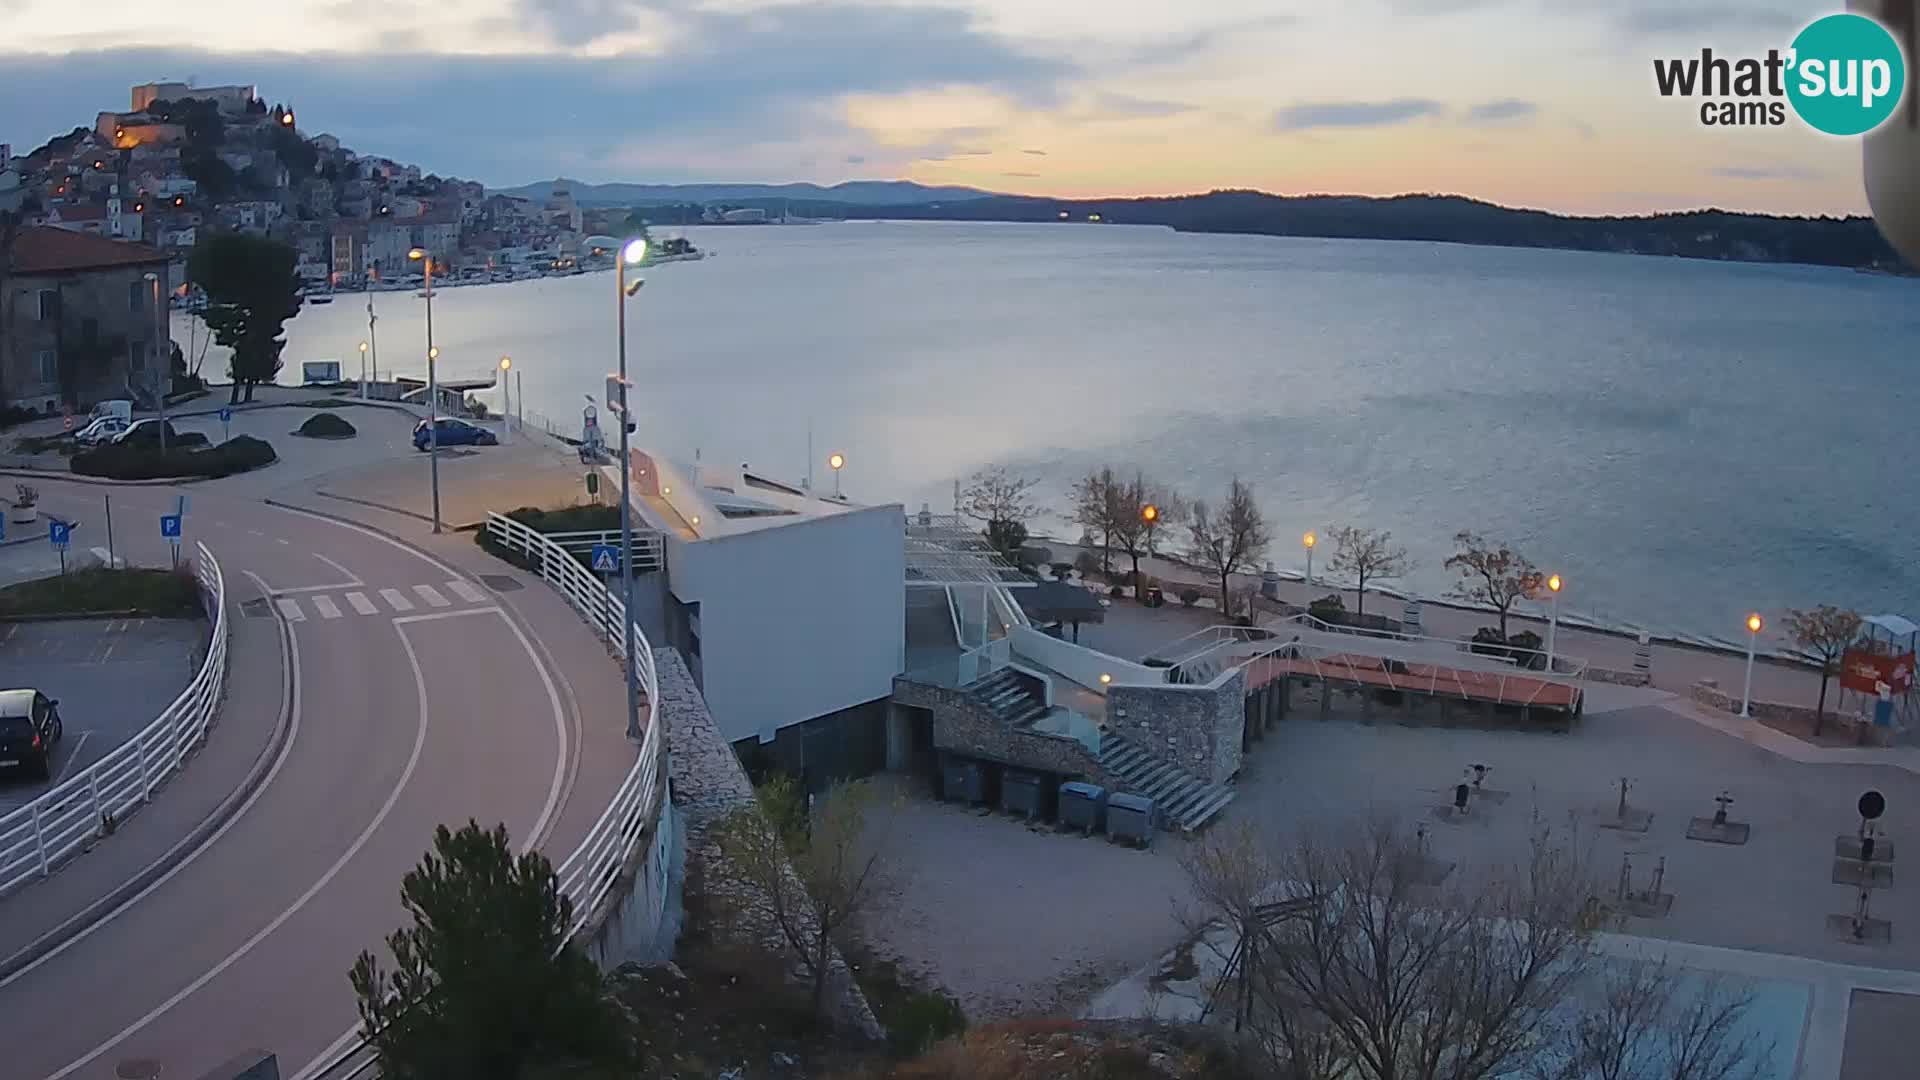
(1538, 103)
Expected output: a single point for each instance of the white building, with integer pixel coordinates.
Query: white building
(756, 574)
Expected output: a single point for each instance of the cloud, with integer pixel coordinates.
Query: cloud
(771, 79)
(1581, 127)
(856, 159)
(1035, 153)
(1354, 114)
(1111, 105)
(1780, 172)
(1500, 111)
(1719, 19)
(1022, 175)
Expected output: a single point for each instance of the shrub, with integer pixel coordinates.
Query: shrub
(1189, 596)
(922, 1019)
(1329, 609)
(1087, 563)
(326, 425)
(1525, 648)
(16, 414)
(1117, 591)
(121, 462)
(1488, 642)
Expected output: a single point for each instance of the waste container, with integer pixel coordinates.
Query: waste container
(1130, 817)
(1020, 793)
(1082, 806)
(964, 781)
(1156, 597)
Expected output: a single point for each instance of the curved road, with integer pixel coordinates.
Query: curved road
(415, 698)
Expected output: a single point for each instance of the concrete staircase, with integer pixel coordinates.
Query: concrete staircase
(1008, 697)
(1183, 801)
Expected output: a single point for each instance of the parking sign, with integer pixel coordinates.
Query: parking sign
(59, 533)
(170, 526)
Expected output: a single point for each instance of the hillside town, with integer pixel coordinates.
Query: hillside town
(181, 160)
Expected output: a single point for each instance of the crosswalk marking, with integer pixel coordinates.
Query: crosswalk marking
(290, 608)
(466, 591)
(396, 600)
(361, 604)
(432, 596)
(326, 606)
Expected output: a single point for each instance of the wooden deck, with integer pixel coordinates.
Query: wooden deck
(1418, 678)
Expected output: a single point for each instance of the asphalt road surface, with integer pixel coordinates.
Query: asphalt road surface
(417, 698)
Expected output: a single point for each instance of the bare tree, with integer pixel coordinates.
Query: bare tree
(1096, 509)
(1498, 577)
(1826, 631)
(1367, 555)
(1135, 517)
(1426, 982)
(1003, 500)
(1229, 540)
(1648, 1021)
(806, 879)
(1170, 509)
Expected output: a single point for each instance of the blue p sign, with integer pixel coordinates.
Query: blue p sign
(58, 533)
(170, 526)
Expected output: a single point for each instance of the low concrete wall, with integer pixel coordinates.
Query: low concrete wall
(1707, 692)
(1201, 729)
(1617, 678)
(1079, 663)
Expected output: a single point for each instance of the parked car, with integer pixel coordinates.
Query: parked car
(29, 727)
(102, 430)
(146, 433)
(453, 432)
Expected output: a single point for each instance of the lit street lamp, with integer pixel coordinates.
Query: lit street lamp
(1754, 623)
(1309, 540)
(363, 371)
(433, 387)
(632, 253)
(1553, 620)
(836, 462)
(506, 399)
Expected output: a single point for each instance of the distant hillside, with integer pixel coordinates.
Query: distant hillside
(862, 192)
(1703, 234)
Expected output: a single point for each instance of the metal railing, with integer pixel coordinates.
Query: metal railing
(649, 552)
(93, 802)
(590, 874)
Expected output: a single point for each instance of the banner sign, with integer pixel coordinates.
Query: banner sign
(1863, 671)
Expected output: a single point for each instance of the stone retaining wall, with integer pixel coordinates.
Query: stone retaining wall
(1707, 692)
(709, 784)
(1200, 729)
(1618, 678)
(964, 726)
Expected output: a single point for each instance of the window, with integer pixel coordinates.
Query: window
(137, 355)
(49, 305)
(136, 295)
(48, 362)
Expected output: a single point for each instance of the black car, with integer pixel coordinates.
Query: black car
(29, 726)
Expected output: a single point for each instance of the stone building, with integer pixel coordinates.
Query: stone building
(77, 319)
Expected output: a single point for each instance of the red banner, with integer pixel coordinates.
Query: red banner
(1863, 671)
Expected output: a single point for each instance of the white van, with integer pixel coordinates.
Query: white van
(119, 409)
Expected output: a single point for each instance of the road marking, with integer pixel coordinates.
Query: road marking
(290, 715)
(396, 599)
(352, 578)
(431, 595)
(291, 609)
(435, 616)
(361, 604)
(71, 758)
(284, 540)
(534, 836)
(256, 532)
(466, 592)
(214, 972)
(327, 608)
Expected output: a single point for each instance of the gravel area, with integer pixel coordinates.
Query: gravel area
(1015, 920)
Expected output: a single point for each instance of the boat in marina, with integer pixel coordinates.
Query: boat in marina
(672, 249)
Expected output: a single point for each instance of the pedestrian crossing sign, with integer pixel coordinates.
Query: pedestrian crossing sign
(606, 558)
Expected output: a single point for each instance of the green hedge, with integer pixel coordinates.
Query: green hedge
(115, 462)
(327, 426)
(158, 593)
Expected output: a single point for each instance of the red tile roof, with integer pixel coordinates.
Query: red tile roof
(44, 249)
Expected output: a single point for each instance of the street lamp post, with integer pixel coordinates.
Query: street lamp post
(163, 357)
(363, 371)
(433, 388)
(836, 462)
(373, 344)
(1553, 619)
(1754, 623)
(1309, 540)
(631, 253)
(506, 403)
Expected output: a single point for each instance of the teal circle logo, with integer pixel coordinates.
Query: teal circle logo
(1846, 74)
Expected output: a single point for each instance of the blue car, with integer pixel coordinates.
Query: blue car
(453, 432)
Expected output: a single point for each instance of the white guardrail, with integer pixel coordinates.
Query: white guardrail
(42, 834)
(589, 875)
(591, 872)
